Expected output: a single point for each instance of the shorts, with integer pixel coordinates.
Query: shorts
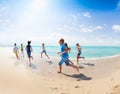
(64, 60)
(79, 53)
(29, 54)
(44, 51)
(16, 53)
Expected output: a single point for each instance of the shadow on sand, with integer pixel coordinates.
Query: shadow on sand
(78, 76)
(89, 64)
(33, 66)
(49, 61)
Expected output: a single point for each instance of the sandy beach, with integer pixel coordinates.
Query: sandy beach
(98, 76)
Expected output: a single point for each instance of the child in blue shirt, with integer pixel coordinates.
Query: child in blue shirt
(64, 56)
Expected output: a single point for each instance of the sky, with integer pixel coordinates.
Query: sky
(88, 22)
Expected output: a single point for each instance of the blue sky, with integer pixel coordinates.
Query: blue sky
(89, 22)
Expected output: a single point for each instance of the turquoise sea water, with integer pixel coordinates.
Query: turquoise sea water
(87, 51)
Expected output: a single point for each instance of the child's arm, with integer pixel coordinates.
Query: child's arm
(26, 48)
(58, 52)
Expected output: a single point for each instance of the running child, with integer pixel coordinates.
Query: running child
(29, 50)
(78, 47)
(16, 51)
(44, 51)
(64, 56)
(22, 50)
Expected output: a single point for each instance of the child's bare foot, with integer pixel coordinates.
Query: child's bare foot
(59, 72)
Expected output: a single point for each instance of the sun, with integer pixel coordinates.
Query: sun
(39, 4)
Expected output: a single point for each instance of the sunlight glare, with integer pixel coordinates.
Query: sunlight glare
(39, 4)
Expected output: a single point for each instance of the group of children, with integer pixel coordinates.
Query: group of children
(28, 50)
(64, 53)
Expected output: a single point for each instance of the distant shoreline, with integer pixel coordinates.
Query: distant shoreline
(53, 52)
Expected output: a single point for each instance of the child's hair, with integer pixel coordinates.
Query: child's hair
(29, 42)
(15, 44)
(66, 45)
(62, 40)
(77, 44)
(69, 49)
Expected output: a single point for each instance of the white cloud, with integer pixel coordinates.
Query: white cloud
(74, 17)
(71, 40)
(98, 27)
(116, 28)
(84, 28)
(86, 14)
(79, 28)
(66, 26)
(2, 9)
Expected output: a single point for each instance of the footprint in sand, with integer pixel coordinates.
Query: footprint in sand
(77, 86)
(79, 79)
(115, 90)
(54, 88)
(64, 93)
(117, 86)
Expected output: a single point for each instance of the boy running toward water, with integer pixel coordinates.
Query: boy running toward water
(22, 50)
(16, 50)
(64, 56)
(44, 51)
(29, 50)
(79, 52)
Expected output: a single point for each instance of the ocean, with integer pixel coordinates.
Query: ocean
(87, 51)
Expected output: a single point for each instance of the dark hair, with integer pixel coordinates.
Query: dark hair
(66, 45)
(15, 44)
(77, 43)
(29, 42)
(62, 40)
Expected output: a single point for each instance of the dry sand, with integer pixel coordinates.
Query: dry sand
(99, 76)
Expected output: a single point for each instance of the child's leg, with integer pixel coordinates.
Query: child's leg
(77, 59)
(71, 65)
(41, 54)
(23, 53)
(30, 61)
(17, 55)
(77, 68)
(31, 57)
(60, 65)
(47, 55)
(60, 69)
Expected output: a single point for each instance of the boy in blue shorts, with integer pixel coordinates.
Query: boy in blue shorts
(29, 50)
(64, 56)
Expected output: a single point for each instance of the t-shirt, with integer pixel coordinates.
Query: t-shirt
(28, 48)
(15, 49)
(64, 55)
(43, 48)
(21, 47)
(78, 48)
